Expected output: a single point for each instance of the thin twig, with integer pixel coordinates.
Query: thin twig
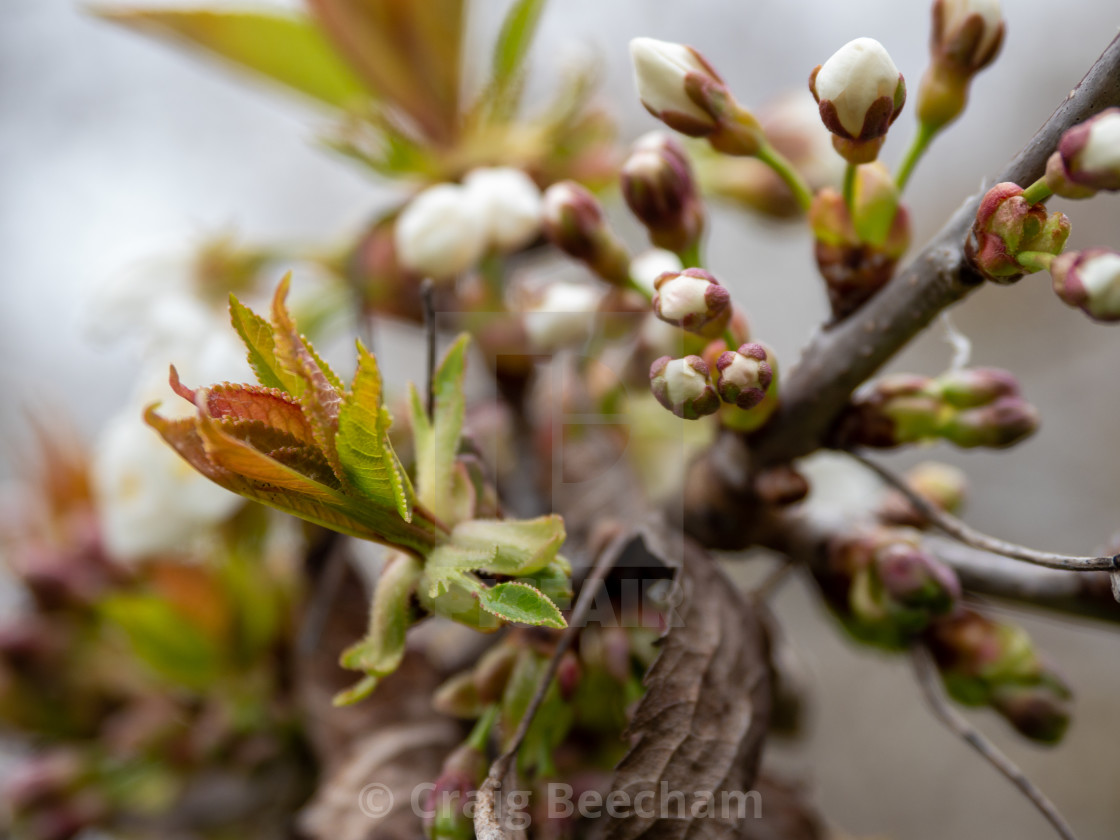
(426, 290)
(970, 536)
(486, 814)
(926, 672)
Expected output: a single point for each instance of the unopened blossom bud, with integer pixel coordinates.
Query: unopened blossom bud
(1006, 226)
(693, 300)
(971, 387)
(658, 186)
(1039, 710)
(508, 202)
(967, 35)
(575, 223)
(682, 386)
(440, 233)
(1002, 423)
(860, 93)
(889, 412)
(449, 816)
(562, 316)
(857, 248)
(679, 87)
(568, 674)
(941, 485)
(1089, 280)
(914, 579)
(1088, 157)
(744, 375)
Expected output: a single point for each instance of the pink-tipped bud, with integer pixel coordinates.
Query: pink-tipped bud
(658, 186)
(971, 387)
(568, 674)
(914, 579)
(1039, 710)
(693, 300)
(1000, 424)
(744, 375)
(574, 222)
(860, 93)
(449, 802)
(1006, 226)
(1088, 157)
(682, 386)
(1089, 280)
(678, 86)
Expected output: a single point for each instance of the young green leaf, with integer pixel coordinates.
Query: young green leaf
(522, 604)
(289, 49)
(366, 456)
(436, 440)
(514, 40)
(260, 342)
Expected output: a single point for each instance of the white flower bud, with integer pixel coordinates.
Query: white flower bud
(692, 299)
(661, 69)
(955, 13)
(682, 386)
(859, 89)
(1089, 280)
(441, 233)
(563, 316)
(509, 203)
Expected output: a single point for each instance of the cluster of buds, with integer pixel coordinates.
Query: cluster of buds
(659, 188)
(677, 85)
(1089, 280)
(1010, 234)
(858, 245)
(574, 221)
(860, 93)
(886, 588)
(984, 662)
(942, 486)
(966, 37)
(969, 407)
(1088, 158)
(448, 228)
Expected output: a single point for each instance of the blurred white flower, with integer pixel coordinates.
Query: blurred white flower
(509, 204)
(563, 316)
(648, 266)
(441, 232)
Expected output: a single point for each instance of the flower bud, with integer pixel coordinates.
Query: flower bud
(1089, 280)
(971, 387)
(447, 812)
(889, 412)
(649, 265)
(942, 485)
(568, 674)
(857, 249)
(508, 202)
(744, 375)
(1007, 226)
(997, 425)
(967, 35)
(1088, 157)
(574, 222)
(682, 386)
(562, 316)
(915, 580)
(1039, 710)
(860, 93)
(679, 87)
(693, 300)
(440, 233)
(659, 189)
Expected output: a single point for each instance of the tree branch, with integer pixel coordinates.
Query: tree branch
(839, 359)
(929, 682)
(970, 536)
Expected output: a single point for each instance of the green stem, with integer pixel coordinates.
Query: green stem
(850, 186)
(691, 257)
(918, 146)
(1038, 191)
(1034, 261)
(781, 165)
(480, 735)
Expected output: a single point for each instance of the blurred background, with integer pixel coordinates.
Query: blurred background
(115, 150)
